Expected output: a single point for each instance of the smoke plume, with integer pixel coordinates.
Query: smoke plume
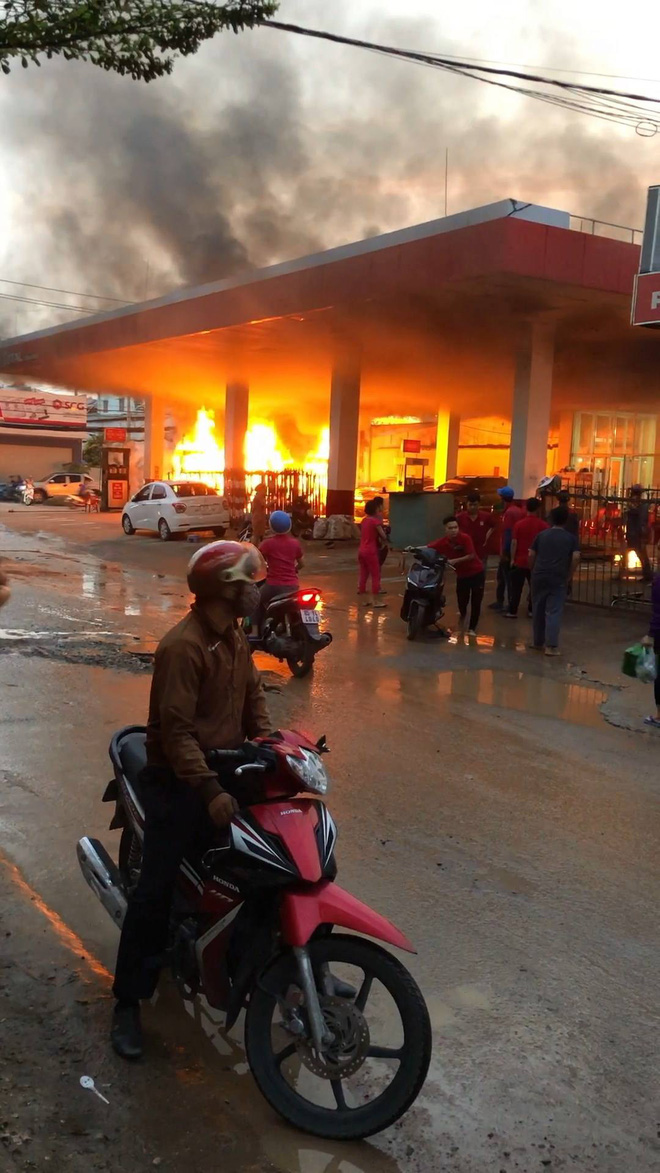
(265, 147)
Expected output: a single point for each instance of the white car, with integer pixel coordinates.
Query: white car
(61, 484)
(171, 507)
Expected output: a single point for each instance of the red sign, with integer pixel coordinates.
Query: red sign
(412, 445)
(32, 409)
(646, 300)
(114, 435)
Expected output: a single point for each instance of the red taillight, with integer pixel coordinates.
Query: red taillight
(180, 507)
(309, 598)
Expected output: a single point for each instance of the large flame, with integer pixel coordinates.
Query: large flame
(199, 456)
(264, 452)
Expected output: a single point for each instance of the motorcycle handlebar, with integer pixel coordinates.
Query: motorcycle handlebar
(248, 757)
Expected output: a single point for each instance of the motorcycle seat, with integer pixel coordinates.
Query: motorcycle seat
(133, 755)
(285, 593)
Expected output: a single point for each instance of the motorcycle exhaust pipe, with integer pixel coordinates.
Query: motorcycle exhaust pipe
(103, 877)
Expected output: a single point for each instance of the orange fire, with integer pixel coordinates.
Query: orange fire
(395, 420)
(199, 456)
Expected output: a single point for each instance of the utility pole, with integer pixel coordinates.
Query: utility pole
(446, 175)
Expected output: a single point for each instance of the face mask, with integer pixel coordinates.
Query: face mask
(247, 599)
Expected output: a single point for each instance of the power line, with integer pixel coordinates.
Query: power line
(551, 68)
(70, 292)
(52, 305)
(597, 101)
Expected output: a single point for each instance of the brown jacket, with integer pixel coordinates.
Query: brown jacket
(205, 694)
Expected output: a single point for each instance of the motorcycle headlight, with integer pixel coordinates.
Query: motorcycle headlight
(311, 771)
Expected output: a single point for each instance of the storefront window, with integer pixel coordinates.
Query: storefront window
(618, 449)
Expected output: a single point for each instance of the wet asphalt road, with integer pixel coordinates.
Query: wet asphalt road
(502, 808)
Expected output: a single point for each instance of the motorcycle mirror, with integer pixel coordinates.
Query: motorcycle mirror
(322, 744)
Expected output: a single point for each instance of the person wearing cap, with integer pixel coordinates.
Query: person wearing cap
(206, 694)
(512, 514)
(636, 520)
(284, 560)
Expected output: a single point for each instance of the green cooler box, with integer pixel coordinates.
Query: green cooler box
(416, 518)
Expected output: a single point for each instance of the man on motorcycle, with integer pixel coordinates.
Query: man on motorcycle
(206, 694)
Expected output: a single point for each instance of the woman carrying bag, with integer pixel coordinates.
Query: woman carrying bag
(653, 640)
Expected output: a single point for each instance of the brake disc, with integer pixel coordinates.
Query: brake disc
(348, 1050)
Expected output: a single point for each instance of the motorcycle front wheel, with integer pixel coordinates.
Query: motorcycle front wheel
(378, 1059)
(416, 619)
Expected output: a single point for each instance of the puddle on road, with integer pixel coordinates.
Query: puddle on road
(538, 695)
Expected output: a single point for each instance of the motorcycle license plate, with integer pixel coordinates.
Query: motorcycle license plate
(310, 617)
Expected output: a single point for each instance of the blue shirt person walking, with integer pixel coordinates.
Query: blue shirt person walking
(553, 557)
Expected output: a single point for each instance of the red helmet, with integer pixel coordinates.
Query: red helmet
(223, 562)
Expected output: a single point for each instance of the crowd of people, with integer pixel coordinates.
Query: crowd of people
(540, 554)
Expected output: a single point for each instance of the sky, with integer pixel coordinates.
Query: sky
(267, 146)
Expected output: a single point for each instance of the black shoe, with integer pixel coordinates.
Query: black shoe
(496, 606)
(126, 1033)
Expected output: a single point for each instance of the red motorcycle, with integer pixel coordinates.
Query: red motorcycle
(337, 1033)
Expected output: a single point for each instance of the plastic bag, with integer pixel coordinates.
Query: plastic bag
(646, 668)
(630, 659)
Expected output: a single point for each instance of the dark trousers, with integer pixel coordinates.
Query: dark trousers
(656, 682)
(503, 574)
(518, 577)
(176, 821)
(267, 593)
(547, 609)
(471, 590)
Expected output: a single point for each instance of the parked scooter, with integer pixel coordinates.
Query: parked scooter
(18, 491)
(424, 600)
(289, 629)
(254, 925)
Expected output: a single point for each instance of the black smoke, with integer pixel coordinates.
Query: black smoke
(266, 147)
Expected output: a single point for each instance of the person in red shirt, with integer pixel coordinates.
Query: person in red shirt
(458, 549)
(522, 536)
(284, 560)
(512, 514)
(478, 523)
(372, 538)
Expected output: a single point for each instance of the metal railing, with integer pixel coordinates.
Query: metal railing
(605, 228)
(618, 557)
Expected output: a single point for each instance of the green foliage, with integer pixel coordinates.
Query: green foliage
(92, 451)
(140, 38)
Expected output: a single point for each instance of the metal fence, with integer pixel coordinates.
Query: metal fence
(615, 567)
(282, 488)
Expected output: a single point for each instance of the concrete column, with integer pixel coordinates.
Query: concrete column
(532, 392)
(446, 447)
(656, 458)
(154, 438)
(565, 450)
(237, 398)
(344, 434)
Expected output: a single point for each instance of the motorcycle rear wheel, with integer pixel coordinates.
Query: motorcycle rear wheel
(301, 665)
(412, 1057)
